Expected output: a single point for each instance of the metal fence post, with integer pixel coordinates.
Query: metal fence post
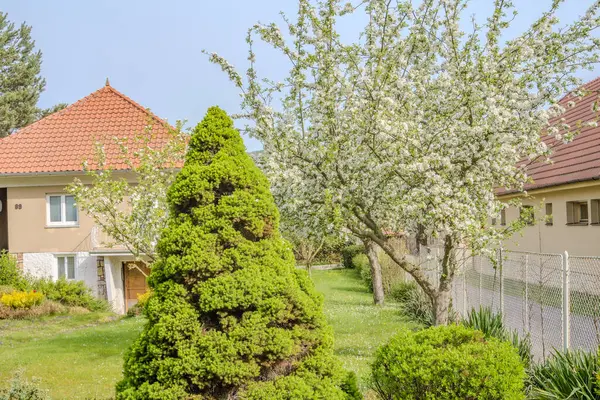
(480, 278)
(566, 306)
(526, 322)
(464, 284)
(500, 265)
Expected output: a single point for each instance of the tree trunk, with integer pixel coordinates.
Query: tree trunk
(443, 295)
(378, 297)
(441, 307)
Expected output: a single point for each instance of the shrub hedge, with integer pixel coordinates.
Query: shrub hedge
(69, 293)
(492, 325)
(10, 274)
(447, 362)
(348, 253)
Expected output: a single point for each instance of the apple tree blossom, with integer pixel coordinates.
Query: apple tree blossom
(414, 124)
(130, 206)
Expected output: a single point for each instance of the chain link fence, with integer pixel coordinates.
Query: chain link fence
(553, 298)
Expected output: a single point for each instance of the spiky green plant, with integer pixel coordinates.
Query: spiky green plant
(568, 375)
(230, 316)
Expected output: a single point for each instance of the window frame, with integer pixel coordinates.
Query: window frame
(66, 266)
(503, 217)
(549, 215)
(63, 212)
(527, 219)
(595, 211)
(573, 209)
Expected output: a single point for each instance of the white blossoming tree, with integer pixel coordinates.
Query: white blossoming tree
(416, 123)
(131, 206)
(309, 227)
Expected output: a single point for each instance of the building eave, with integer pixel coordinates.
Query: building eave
(570, 185)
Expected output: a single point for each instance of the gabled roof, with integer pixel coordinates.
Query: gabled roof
(62, 141)
(578, 160)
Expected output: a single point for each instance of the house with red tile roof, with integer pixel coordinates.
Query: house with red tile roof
(564, 194)
(40, 222)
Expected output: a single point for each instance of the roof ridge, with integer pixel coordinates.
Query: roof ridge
(137, 105)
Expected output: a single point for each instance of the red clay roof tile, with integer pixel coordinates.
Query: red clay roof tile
(62, 141)
(576, 161)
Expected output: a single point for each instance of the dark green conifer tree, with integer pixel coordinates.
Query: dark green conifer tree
(230, 316)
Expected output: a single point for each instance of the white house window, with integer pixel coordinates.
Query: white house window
(61, 210)
(66, 267)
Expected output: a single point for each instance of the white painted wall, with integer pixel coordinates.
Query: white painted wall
(45, 265)
(40, 265)
(114, 284)
(86, 270)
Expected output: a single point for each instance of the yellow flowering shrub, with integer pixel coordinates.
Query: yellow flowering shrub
(22, 299)
(143, 298)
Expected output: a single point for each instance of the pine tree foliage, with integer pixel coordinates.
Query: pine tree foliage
(231, 317)
(20, 80)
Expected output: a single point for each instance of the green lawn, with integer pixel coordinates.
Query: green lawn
(75, 357)
(81, 356)
(359, 326)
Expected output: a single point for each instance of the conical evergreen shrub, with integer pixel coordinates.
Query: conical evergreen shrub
(230, 316)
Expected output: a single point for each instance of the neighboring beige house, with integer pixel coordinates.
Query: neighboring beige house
(564, 194)
(40, 222)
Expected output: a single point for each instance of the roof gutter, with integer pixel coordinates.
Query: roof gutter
(515, 193)
(66, 173)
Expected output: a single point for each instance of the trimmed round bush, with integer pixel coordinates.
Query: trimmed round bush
(447, 362)
(230, 316)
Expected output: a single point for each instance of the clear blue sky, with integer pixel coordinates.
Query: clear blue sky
(151, 50)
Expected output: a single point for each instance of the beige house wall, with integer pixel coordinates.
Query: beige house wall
(558, 237)
(27, 229)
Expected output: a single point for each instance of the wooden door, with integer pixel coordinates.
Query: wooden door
(3, 220)
(136, 283)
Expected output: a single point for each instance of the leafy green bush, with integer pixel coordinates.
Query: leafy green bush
(447, 362)
(10, 273)
(138, 307)
(230, 315)
(491, 325)
(360, 262)
(348, 253)
(69, 293)
(414, 303)
(350, 387)
(22, 389)
(570, 375)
